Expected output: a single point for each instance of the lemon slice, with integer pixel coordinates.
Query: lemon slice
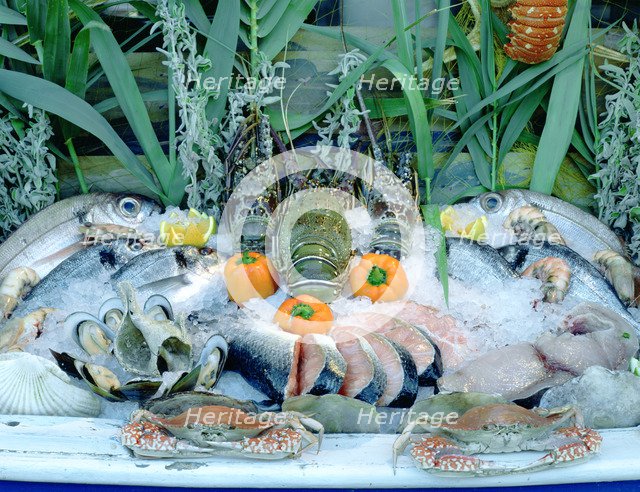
(476, 230)
(448, 218)
(196, 231)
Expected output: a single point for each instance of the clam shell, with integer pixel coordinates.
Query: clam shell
(32, 385)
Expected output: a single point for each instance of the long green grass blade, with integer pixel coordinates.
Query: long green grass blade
(418, 120)
(519, 120)
(36, 11)
(11, 17)
(10, 50)
(393, 107)
(441, 40)
(196, 14)
(266, 5)
(59, 101)
(272, 18)
(292, 19)
(126, 91)
(403, 37)
(221, 49)
(486, 48)
(57, 42)
(76, 80)
(563, 107)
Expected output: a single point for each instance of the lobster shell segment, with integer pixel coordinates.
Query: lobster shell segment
(536, 29)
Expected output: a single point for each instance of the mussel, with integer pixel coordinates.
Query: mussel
(212, 361)
(92, 335)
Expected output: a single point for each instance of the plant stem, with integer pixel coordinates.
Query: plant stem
(253, 40)
(76, 165)
(172, 117)
(494, 148)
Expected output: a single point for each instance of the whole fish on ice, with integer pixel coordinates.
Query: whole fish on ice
(53, 234)
(587, 284)
(581, 231)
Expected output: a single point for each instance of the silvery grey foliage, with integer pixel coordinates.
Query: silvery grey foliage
(198, 143)
(343, 118)
(618, 147)
(27, 170)
(254, 93)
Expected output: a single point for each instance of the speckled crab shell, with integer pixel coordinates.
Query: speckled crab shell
(210, 424)
(490, 419)
(536, 29)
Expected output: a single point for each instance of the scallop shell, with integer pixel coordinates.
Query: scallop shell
(32, 385)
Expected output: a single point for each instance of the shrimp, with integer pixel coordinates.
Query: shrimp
(620, 272)
(15, 286)
(530, 224)
(555, 276)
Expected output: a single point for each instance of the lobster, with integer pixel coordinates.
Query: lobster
(536, 29)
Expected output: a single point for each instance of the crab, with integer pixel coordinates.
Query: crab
(498, 428)
(220, 430)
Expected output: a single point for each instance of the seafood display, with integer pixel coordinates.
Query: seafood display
(54, 234)
(536, 29)
(229, 354)
(448, 448)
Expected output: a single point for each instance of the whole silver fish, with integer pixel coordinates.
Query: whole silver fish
(169, 270)
(53, 234)
(582, 232)
(587, 283)
(93, 262)
(476, 264)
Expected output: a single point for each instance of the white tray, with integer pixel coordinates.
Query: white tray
(71, 450)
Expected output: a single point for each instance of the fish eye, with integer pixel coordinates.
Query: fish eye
(491, 202)
(206, 251)
(130, 207)
(135, 245)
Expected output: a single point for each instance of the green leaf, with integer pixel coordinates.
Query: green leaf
(292, 19)
(146, 9)
(441, 40)
(126, 91)
(403, 37)
(272, 18)
(59, 101)
(36, 18)
(10, 50)
(221, 50)
(519, 120)
(266, 5)
(196, 14)
(486, 48)
(418, 120)
(393, 107)
(563, 107)
(57, 42)
(76, 80)
(11, 17)
(431, 214)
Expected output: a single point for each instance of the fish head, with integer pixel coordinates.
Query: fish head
(126, 210)
(202, 260)
(496, 207)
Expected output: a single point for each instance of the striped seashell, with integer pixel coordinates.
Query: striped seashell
(32, 385)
